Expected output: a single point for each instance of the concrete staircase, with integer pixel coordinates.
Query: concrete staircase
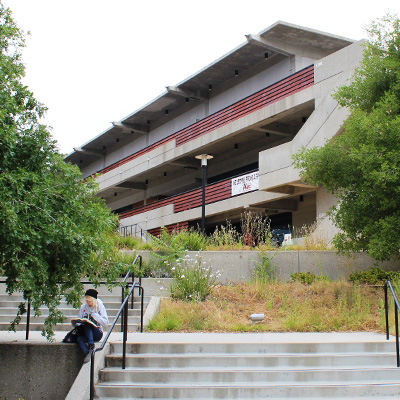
(256, 369)
(112, 301)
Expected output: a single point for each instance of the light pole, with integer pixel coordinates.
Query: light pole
(204, 158)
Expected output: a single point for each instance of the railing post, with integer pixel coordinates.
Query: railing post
(396, 319)
(122, 315)
(133, 291)
(141, 310)
(92, 374)
(28, 319)
(140, 275)
(385, 288)
(125, 335)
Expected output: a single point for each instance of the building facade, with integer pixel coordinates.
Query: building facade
(251, 110)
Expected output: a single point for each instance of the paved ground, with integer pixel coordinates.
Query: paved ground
(314, 337)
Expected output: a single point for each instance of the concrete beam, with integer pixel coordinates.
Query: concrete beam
(91, 152)
(133, 185)
(292, 189)
(185, 93)
(130, 128)
(182, 163)
(267, 44)
(278, 129)
(283, 205)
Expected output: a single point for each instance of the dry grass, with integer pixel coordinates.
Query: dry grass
(288, 307)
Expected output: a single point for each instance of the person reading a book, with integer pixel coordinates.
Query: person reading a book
(93, 318)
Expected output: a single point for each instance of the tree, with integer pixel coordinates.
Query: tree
(361, 167)
(53, 229)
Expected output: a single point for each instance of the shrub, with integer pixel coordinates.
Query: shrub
(307, 278)
(193, 280)
(131, 243)
(374, 276)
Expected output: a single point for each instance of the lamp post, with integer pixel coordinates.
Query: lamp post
(204, 158)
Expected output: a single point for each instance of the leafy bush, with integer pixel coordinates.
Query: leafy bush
(123, 262)
(307, 278)
(375, 275)
(131, 243)
(193, 280)
(171, 246)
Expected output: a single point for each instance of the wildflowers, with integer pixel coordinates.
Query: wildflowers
(193, 279)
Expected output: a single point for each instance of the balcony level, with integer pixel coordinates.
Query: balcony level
(234, 136)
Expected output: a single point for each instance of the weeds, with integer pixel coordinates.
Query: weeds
(313, 238)
(193, 279)
(225, 238)
(255, 229)
(265, 271)
(306, 278)
(288, 307)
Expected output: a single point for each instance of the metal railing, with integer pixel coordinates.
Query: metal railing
(123, 287)
(388, 285)
(134, 230)
(124, 312)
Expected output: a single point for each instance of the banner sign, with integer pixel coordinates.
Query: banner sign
(245, 183)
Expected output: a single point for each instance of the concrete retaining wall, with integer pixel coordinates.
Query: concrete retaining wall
(33, 371)
(239, 266)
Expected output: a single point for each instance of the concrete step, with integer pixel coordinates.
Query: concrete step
(250, 370)
(68, 312)
(64, 327)
(256, 361)
(133, 319)
(254, 390)
(151, 287)
(246, 348)
(211, 375)
(271, 398)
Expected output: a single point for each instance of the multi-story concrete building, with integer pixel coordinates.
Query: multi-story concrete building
(252, 109)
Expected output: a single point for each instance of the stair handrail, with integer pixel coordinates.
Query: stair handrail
(124, 311)
(387, 285)
(131, 274)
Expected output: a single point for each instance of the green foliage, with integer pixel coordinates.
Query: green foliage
(225, 237)
(167, 321)
(307, 278)
(265, 270)
(362, 165)
(171, 246)
(374, 276)
(53, 229)
(131, 243)
(193, 280)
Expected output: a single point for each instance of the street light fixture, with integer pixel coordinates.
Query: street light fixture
(204, 158)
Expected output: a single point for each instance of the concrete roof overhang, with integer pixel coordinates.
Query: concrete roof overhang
(279, 41)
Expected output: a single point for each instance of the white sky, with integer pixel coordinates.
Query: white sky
(92, 62)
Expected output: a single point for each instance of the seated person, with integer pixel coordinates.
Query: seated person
(92, 317)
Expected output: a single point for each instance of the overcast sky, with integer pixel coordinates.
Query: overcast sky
(92, 62)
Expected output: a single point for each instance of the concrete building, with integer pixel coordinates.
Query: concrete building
(252, 109)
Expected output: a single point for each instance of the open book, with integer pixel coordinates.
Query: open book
(84, 321)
